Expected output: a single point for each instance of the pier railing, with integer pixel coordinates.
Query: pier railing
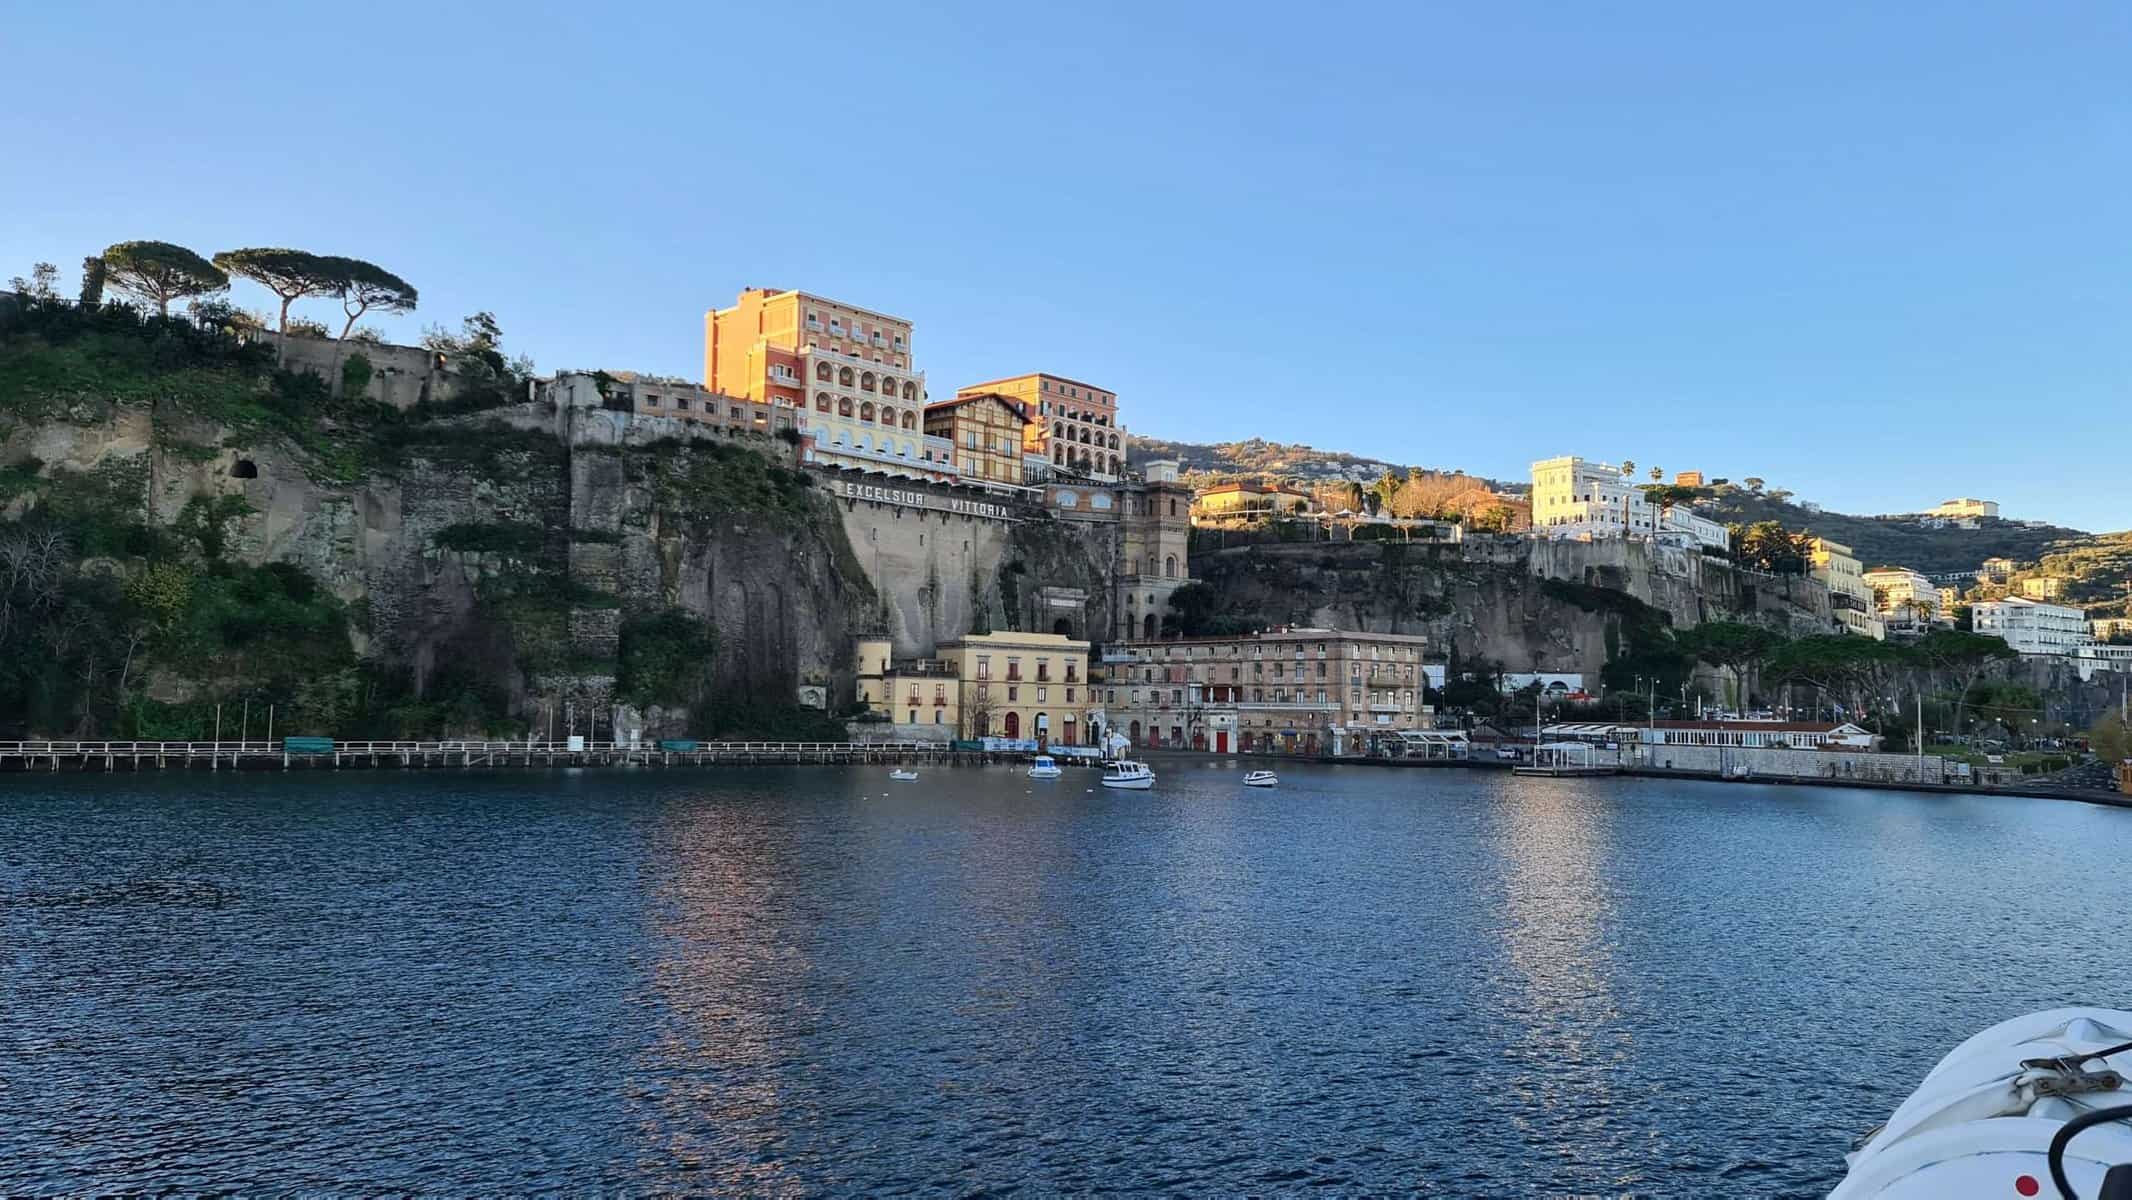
(55, 754)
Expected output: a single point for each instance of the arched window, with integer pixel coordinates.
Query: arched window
(910, 419)
(1114, 464)
(866, 382)
(1058, 429)
(843, 406)
(821, 401)
(910, 390)
(1148, 627)
(845, 376)
(823, 373)
(888, 385)
(1084, 437)
(866, 411)
(1114, 441)
(1169, 566)
(1058, 454)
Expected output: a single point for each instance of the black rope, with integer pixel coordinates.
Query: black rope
(2071, 1129)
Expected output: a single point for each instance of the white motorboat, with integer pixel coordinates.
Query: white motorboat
(1044, 768)
(1125, 773)
(903, 776)
(2029, 1107)
(1261, 779)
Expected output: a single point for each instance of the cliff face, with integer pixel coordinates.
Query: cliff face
(1546, 606)
(512, 558)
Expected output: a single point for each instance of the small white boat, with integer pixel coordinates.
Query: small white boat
(1044, 768)
(1983, 1121)
(903, 776)
(1125, 773)
(1261, 779)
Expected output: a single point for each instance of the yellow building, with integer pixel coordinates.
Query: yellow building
(1070, 423)
(986, 433)
(1014, 685)
(1247, 499)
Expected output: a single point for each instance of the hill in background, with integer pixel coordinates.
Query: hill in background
(2097, 566)
(1905, 541)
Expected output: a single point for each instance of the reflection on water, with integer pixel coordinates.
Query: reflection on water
(810, 982)
(729, 990)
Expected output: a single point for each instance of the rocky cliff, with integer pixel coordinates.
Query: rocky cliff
(245, 534)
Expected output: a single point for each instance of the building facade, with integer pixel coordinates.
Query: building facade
(1295, 691)
(1850, 600)
(651, 397)
(2043, 587)
(1246, 499)
(847, 370)
(984, 434)
(2030, 626)
(1905, 599)
(1071, 425)
(1573, 497)
(1576, 498)
(1024, 686)
(1966, 506)
(1154, 550)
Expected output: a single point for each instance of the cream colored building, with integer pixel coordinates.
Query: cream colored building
(1296, 690)
(1905, 599)
(1026, 686)
(1966, 507)
(1850, 599)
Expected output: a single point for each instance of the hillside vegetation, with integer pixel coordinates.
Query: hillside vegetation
(1899, 541)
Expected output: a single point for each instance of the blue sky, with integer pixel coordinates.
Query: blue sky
(1877, 254)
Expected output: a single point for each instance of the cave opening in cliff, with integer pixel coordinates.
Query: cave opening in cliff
(244, 468)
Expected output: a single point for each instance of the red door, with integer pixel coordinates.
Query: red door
(1221, 741)
(1014, 724)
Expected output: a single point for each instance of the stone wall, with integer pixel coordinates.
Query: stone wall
(400, 376)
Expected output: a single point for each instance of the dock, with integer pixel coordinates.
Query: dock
(463, 754)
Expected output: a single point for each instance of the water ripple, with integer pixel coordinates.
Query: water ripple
(802, 982)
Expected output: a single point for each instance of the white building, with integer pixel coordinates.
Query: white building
(1906, 600)
(1574, 498)
(2090, 659)
(2032, 627)
(1966, 507)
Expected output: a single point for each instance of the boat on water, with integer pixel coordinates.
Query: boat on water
(1044, 768)
(1125, 773)
(903, 776)
(1261, 779)
(2034, 1106)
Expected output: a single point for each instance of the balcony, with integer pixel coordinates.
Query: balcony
(1290, 705)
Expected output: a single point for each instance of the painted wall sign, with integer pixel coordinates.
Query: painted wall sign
(913, 498)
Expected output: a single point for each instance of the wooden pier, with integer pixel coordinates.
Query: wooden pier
(275, 755)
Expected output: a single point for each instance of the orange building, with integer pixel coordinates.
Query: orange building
(986, 433)
(1073, 424)
(847, 369)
